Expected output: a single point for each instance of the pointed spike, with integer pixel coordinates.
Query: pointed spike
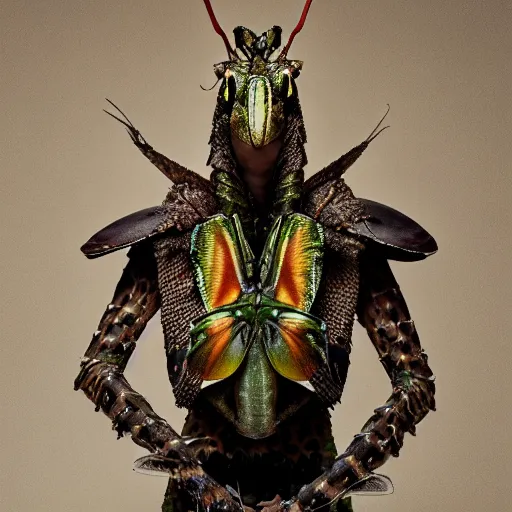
(172, 170)
(154, 465)
(377, 134)
(134, 134)
(337, 168)
(128, 127)
(121, 112)
(372, 136)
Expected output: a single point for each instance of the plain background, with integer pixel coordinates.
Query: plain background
(68, 170)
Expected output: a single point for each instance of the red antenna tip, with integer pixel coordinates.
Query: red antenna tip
(297, 29)
(218, 28)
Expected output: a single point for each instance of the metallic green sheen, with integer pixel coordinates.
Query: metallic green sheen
(262, 336)
(232, 198)
(288, 192)
(256, 394)
(257, 114)
(259, 106)
(282, 231)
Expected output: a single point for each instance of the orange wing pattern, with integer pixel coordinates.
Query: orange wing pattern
(295, 344)
(218, 346)
(292, 261)
(218, 266)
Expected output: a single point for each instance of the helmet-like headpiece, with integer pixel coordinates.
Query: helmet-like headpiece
(256, 89)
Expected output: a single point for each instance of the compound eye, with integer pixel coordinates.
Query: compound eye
(286, 89)
(295, 72)
(228, 88)
(220, 69)
(295, 68)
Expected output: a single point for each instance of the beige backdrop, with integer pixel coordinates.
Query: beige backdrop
(68, 170)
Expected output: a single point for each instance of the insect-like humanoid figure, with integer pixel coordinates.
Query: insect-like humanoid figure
(259, 276)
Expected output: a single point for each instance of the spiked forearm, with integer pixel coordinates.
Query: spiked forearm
(383, 312)
(105, 385)
(135, 301)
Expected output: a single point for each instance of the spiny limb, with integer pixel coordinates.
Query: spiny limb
(135, 301)
(134, 134)
(336, 169)
(104, 384)
(384, 313)
(171, 169)
(379, 128)
(130, 413)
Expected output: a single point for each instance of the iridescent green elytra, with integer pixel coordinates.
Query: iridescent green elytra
(257, 322)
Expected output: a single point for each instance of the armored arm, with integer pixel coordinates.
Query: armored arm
(383, 312)
(135, 301)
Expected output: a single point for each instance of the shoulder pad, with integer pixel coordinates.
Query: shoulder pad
(124, 232)
(183, 208)
(399, 237)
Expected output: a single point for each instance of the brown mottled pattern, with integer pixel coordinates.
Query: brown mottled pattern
(178, 174)
(221, 155)
(289, 174)
(183, 209)
(136, 299)
(383, 311)
(333, 205)
(181, 303)
(337, 296)
(187, 206)
(174, 171)
(336, 169)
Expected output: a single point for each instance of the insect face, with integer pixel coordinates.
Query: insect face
(255, 90)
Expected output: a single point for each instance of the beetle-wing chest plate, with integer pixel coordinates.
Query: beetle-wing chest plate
(257, 324)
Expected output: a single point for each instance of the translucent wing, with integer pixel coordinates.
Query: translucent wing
(219, 254)
(291, 264)
(372, 485)
(154, 465)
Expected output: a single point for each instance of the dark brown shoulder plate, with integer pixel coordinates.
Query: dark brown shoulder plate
(183, 208)
(398, 236)
(124, 232)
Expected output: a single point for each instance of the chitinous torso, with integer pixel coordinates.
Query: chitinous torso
(256, 364)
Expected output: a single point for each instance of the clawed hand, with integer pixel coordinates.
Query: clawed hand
(179, 462)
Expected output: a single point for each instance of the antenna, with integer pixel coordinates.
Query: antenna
(218, 28)
(296, 30)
